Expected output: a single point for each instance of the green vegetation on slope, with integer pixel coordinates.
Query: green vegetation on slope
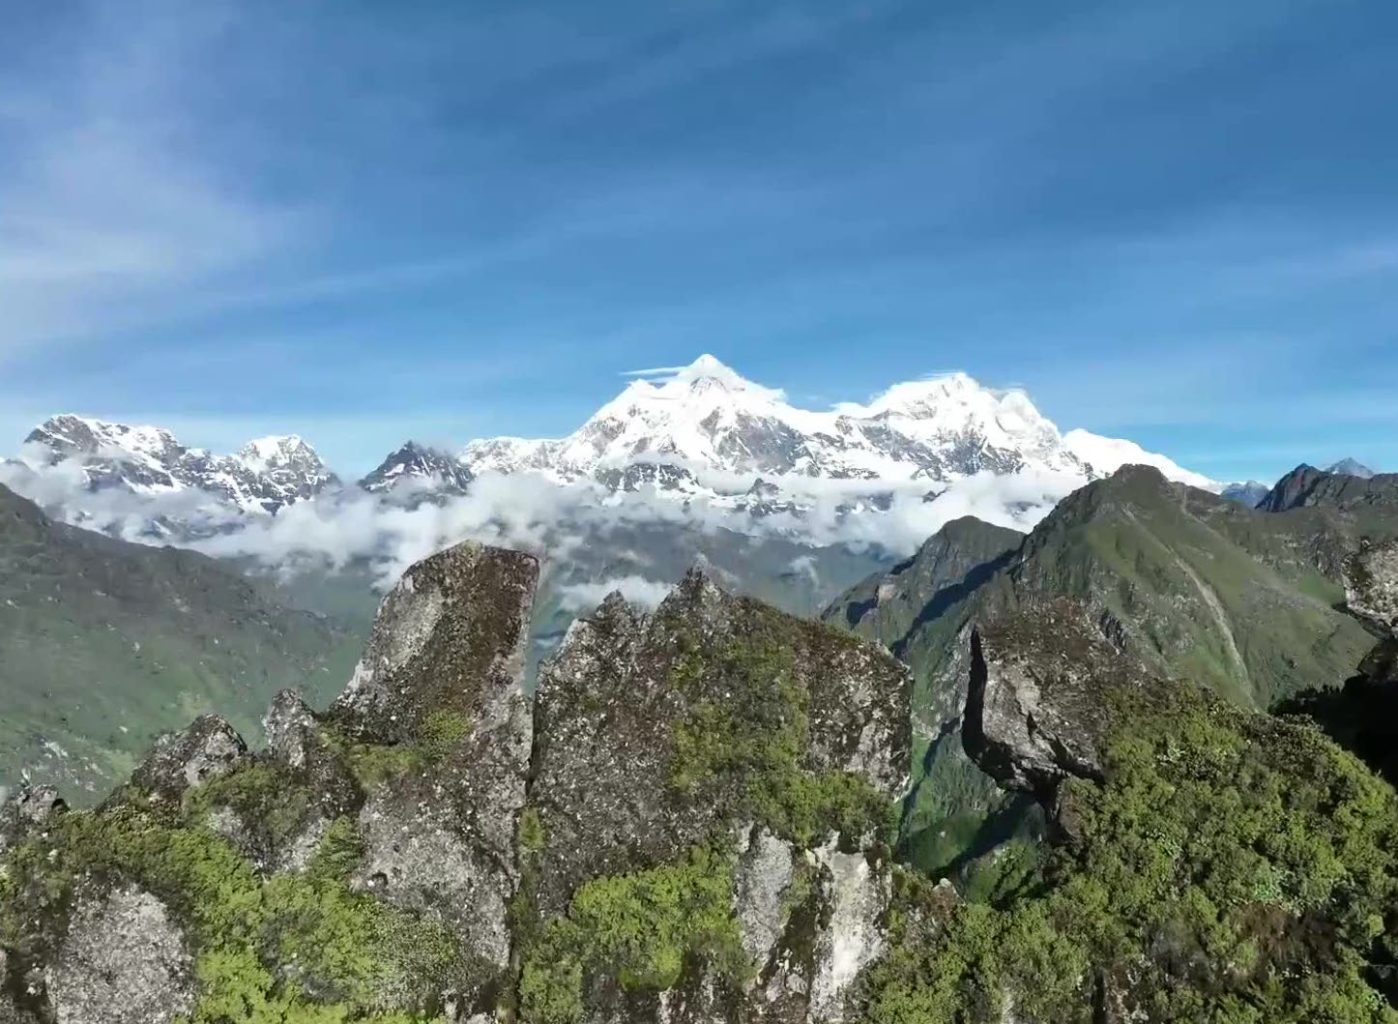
(104, 645)
(350, 950)
(1233, 868)
(641, 929)
(747, 752)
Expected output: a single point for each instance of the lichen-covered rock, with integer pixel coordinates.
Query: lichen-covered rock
(208, 749)
(26, 808)
(1371, 584)
(638, 717)
(292, 732)
(1035, 707)
(449, 636)
(123, 962)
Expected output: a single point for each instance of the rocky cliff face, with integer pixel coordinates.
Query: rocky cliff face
(1036, 711)
(689, 827)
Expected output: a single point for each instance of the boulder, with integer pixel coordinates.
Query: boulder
(122, 962)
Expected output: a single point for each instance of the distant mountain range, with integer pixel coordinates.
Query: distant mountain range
(703, 434)
(264, 476)
(709, 422)
(1253, 492)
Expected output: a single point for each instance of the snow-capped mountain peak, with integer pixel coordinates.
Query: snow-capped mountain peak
(265, 475)
(1105, 455)
(715, 424)
(276, 450)
(420, 467)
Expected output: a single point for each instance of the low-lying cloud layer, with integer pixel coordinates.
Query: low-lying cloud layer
(532, 513)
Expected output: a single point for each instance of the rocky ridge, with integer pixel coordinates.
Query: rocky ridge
(712, 779)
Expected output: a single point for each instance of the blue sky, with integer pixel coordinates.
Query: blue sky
(1175, 222)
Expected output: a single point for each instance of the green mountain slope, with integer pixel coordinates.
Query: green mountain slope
(1242, 601)
(105, 644)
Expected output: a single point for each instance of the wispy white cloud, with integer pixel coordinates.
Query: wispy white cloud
(107, 206)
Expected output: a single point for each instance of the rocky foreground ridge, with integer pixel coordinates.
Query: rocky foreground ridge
(689, 826)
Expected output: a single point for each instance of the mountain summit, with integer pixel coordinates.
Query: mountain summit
(711, 422)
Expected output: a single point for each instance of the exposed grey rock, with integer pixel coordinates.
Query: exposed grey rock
(415, 858)
(26, 808)
(291, 728)
(766, 867)
(1371, 584)
(123, 962)
(209, 748)
(858, 896)
(1036, 708)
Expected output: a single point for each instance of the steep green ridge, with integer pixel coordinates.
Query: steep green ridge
(1199, 587)
(922, 611)
(105, 644)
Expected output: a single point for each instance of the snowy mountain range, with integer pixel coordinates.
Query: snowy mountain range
(701, 440)
(715, 429)
(264, 476)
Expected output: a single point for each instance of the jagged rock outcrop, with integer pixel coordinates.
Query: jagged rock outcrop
(717, 717)
(1038, 701)
(442, 673)
(716, 775)
(1363, 714)
(208, 749)
(448, 638)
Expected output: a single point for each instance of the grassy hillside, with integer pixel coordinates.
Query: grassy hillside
(105, 644)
